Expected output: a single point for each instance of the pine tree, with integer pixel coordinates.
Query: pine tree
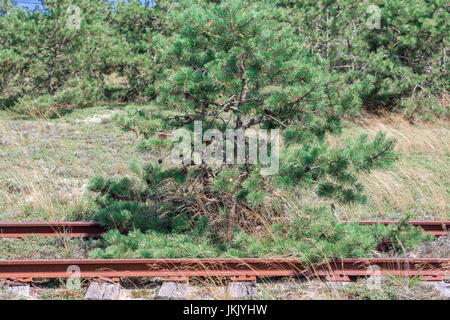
(53, 62)
(6, 5)
(232, 65)
(133, 53)
(399, 47)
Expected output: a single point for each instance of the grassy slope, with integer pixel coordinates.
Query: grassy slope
(418, 183)
(45, 166)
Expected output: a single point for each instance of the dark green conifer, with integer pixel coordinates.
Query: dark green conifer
(233, 65)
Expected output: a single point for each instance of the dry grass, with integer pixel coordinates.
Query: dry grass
(419, 182)
(28, 186)
(46, 165)
(417, 138)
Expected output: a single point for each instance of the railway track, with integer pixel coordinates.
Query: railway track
(50, 229)
(94, 229)
(237, 269)
(438, 228)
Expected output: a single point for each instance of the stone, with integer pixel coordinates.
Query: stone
(242, 289)
(21, 291)
(94, 292)
(173, 291)
(444, 288)
(112, 291)
(102, 291)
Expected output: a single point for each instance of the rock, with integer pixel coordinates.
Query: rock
(112, 291)
(102, 291)
(444, 288)
(242, 289)
(94, 292)
(173, 291)
(22, 291)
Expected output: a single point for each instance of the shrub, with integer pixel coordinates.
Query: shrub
(233, 67)
(406, 54)
(312, 236)
(57, 104)
(425, 106)
(47, 65)
(134, 53)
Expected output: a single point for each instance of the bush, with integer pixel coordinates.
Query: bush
(425, 107)
(123, 205)
(312, 236)
(63, 101)
(134, 52)
(49, 66)
(253, 73)
(405, 55)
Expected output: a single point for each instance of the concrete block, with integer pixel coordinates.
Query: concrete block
(242, 289)
(94, 292)
(112, 291)
(444, 288)
(173, 291)
(102, 291)
(21, 291)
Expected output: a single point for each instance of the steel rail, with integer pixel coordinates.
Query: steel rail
(438, 228)
(334, 269)
(50, 229)
(94, 229)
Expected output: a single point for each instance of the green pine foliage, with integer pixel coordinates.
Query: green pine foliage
(6, 5)
(334, 171)
(48, 65)
(52, 63)
(406, 55)
(48, 69)
(133, 52)
(313, 236)
(232, 66)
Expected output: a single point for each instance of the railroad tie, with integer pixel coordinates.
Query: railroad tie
(103, 291)
(173, 290)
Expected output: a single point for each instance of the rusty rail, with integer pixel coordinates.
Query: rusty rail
(94, 229)
(334, 269)
(50, 229)
(438, 228)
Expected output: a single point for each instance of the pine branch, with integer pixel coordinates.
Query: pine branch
(380, 153)
(303, 97)
(202, 30)
(246, 23)
(230, 20)
(244, 84)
